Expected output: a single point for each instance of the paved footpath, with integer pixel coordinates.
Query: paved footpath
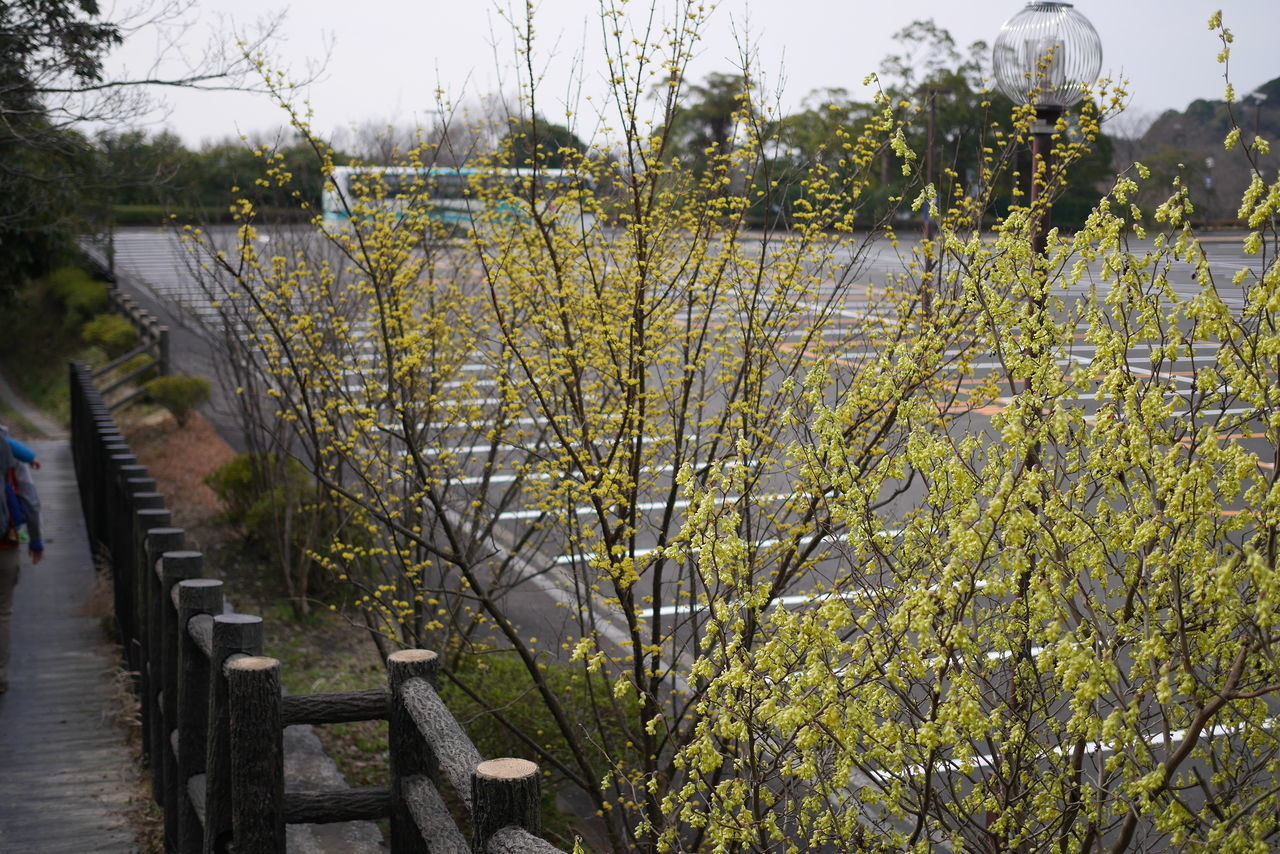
(65, 770)
(64, 767)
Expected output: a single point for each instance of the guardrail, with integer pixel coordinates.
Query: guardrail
(213, 713)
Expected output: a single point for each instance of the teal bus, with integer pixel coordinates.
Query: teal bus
(450, 195)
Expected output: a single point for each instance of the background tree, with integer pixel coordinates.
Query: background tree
(46, 47)
(708, 117)
(52, 82)
(538, 141)
(528, 407)
(155, 176)
(933, 80)
(148, 169)
(1066, 642)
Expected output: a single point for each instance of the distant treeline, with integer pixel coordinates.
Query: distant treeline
(156, 177)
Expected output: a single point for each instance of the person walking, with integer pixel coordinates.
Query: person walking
(19, 520)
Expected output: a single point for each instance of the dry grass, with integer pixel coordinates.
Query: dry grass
(124, 712)
(99, 602)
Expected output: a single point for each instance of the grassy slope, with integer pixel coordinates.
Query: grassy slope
(36, 347)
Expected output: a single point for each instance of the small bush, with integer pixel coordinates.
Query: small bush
(179, 393)
(252, 505)
(113, 333)
(278, 506)
(138, 362)
(501, 687)
(82, 297)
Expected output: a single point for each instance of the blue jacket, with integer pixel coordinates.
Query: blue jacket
(21, 452)
(21, 504)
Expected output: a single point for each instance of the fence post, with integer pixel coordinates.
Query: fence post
(112, 537)
(409, 752)
(163, 363)
(177, 566)
(113, 523)
(120, 497)
(135, 594)
(256, 730)
(504, 792)
(232, 633)
(159, 541)
(195, 597)
(128, 500)
(142, 483)
(156, 539)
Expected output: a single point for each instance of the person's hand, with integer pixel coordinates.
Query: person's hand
(37, 555)
(35, 464)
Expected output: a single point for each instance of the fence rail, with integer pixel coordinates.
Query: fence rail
(213, 714)
(153, 340)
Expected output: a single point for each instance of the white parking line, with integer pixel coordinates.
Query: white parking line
(586, 510)
(984, 760)
(781, 601)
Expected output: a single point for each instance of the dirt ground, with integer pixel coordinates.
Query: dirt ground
(180, 458)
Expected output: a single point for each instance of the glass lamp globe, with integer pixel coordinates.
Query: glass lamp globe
(1046, 55)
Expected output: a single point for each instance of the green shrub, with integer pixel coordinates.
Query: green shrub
(164, 215)
(244, 487)
(179, 393)
(501, 689)
(113, 333)
(82, 296)
(280, 509)
(136, 363)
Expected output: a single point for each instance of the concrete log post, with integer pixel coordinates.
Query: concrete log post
(113, 516)
(504, 793)
(232, 634)
(410, 753)
(156, 542)
(197, 597)
(135, 642)
(178, 566)
(257, 755)
(111, 534)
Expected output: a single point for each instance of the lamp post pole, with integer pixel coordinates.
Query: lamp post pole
(1041, 172)
(930, 228)
(1044, 57)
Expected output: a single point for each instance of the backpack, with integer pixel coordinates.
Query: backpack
(11, 512)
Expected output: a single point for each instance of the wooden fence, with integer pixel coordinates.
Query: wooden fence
(212, 710)
(153, 340)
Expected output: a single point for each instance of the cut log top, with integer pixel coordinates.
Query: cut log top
(199, 593)
(404, 656)
(252, 662)
(238, 620)
(507, 769)
(180, 565)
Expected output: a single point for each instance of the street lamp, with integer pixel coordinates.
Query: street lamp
(1046, 56)
(1258, 98)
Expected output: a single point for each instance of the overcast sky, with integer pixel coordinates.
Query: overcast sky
(387, 57)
